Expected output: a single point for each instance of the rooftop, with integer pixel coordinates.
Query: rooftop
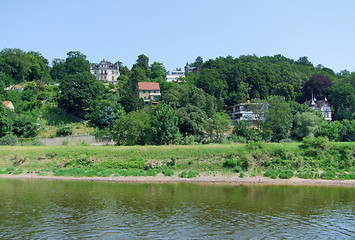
(148, 86)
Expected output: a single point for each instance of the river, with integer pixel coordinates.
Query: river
(48, 209)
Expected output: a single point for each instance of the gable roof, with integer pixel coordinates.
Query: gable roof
(148, 86)
(6, 103)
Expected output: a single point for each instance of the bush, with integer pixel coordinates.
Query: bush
(65, 142)
(328, 175)
(230, 163)
(241, 175)
(83, 143)
(151, 172)
(120, 164)
(64, 130)
(192, 174)
(37, 142)
(286, 174)
(271, 173)
(9, 140)
(189, 140)
(305, 175)
(352, 175)
(344, 176)
(183, 174)
(168, 172)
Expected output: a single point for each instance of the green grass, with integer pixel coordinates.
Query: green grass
(253, 158)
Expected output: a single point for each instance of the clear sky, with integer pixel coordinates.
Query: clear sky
(176, 31)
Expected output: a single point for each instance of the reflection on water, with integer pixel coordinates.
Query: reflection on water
(40, 209)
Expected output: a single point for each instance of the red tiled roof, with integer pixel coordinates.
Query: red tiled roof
(6, 103)
(148, 86)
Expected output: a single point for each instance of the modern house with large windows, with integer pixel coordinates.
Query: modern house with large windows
(149, 91)
(105, 71)
(251, 112)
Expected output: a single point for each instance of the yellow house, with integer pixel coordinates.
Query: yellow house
(149, 91)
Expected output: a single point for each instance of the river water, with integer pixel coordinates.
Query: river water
(45, 209)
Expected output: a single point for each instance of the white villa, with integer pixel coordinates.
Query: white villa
(174, 75)
(105, 71)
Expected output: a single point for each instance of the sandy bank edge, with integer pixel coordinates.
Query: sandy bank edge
(200, 179)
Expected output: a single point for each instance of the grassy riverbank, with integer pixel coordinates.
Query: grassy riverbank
(310, 159)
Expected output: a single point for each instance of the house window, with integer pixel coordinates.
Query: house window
(101, 77)
(113, 78)
(143, 91)
(145, 98)
(148, 91)
(155, 91)
(113, 71)
(105, 77)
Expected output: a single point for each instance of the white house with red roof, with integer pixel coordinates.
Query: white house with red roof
(8, 104)
(149, 91)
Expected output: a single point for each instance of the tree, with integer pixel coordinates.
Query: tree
(58, 70)
(217, 126)
(23, 127)
(342, 98)
(198, 64)
(304, 61)
(79, 93)
(164, 128)
(278, 118)
(14, 63)
(318, 84)
(132, 129)
(286, 90)
(245, 130)
(143, 63)
(190, 119)
(306, 124)
(39, 69)
(76, 63)
(157, 70)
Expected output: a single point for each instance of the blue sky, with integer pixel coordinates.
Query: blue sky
(174, 32)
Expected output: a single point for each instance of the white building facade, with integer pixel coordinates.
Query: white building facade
(105, 71)
(174, 75)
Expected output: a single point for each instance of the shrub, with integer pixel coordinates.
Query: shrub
(168, 172)
(183, 174)
(271, 173)
(286, 174)
(9, 140)
(344, 176)
(37, 142)
(328, 175)
(83, 143)
(305, 175)
(352, 175)
(64, 130)
(241, 175)
(151, 172)
(192, 174)
(189, 140)
(230, 163)
(65, 142)
(120, 164)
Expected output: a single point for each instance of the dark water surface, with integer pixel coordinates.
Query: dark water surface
(44, 209)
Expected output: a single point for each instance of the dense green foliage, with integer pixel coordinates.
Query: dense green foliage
(190, 110)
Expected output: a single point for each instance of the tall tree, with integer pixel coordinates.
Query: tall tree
(164, 128)
(14, 63)
(58, 70)
(279, 118)
(79, 93)
(318, 84)
(76, 63)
